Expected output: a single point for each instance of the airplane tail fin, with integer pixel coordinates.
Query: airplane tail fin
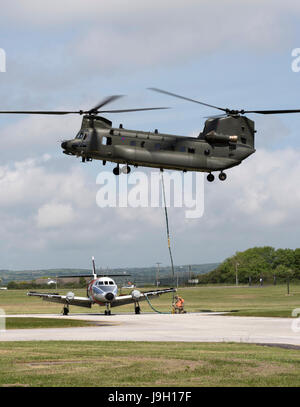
(94, 267)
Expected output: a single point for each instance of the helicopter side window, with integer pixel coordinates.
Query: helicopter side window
(182, 149)
(111, 283)
(157, 146)
(244, 140)
(191, 150)
(133, 143)
(142, 144)
(106, 282)
(106, 141)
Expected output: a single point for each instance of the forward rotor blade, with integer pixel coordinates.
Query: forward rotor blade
(104, 102)
(131, 110)
(39, 112)
(185, 98)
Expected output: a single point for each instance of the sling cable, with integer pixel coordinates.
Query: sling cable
(169, 247)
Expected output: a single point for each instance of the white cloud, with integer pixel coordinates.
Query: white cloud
(262, 191)
(55, 215)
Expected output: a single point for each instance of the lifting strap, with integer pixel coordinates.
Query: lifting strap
(169, 247)
(168, 231)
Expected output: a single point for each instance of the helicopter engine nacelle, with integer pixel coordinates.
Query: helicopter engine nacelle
(214, 137)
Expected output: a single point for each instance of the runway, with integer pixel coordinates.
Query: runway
(191, 327)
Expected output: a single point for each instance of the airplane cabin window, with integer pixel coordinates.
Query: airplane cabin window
(111, 283)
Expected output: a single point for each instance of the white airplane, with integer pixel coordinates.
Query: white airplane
(101, 290)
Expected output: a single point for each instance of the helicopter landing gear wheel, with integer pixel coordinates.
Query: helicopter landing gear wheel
(222, 176)
(126, 169)
(116, 170)
(210, 177)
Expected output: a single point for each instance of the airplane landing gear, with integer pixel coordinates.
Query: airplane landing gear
(222, 176)
(66, 310)
(137, 308)
(210, 177)
(107, 311)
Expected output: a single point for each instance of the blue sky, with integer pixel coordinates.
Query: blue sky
(71, 54)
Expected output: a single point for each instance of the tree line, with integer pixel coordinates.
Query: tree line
(254, 264)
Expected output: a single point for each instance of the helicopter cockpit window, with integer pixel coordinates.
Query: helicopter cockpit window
(79, 135)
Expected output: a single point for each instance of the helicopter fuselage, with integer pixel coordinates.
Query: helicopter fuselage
(224, 143)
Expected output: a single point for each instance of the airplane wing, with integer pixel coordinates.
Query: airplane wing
(136, 296)
(69, 299)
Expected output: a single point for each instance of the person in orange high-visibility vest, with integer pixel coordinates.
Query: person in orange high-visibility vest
(179, 305)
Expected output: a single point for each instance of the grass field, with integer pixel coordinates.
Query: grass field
(36, 323)
(105, 364)
(250, 301)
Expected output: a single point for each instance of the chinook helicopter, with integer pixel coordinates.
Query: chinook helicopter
(225, 141)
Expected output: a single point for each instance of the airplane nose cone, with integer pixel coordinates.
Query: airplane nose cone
(64, 144)
(109, 296)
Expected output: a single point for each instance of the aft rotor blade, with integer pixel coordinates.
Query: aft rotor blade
(131, 110)
(185, 98)
(272, 111)
(104, 102)
(217, 116)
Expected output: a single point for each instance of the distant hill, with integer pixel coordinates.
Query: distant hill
(139, 275)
